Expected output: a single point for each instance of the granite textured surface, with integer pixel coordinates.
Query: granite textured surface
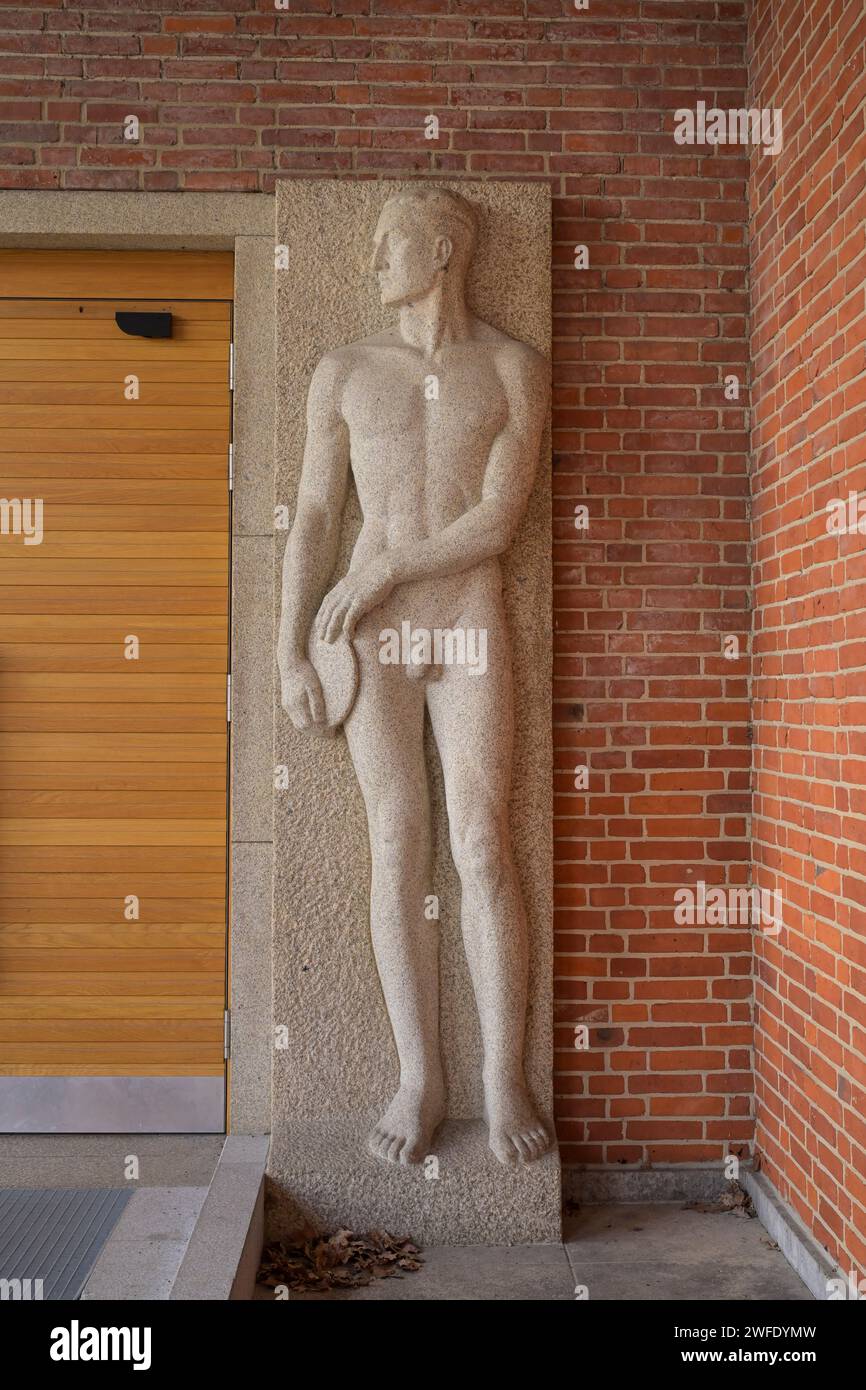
(334, 1060)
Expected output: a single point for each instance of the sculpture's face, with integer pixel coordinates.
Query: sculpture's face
(408, 254)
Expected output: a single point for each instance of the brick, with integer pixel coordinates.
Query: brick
(644, 435)
(199, 24)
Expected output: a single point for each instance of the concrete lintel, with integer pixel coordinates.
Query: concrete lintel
(133, 221)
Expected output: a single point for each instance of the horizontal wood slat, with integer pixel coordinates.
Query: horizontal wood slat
(81, 439)
(124, 747)
(116, 416)
(116, 984)
(106, 350)
(175, 805)
(107, 569)
(149, 601)
(105, 777)
(174, 628)
(116, 1052)
(106, 860)
(108, 937)
(102, 330)
(108, 718)
(90, 657)
(77, 545)
(108, 910)
(93, 393)
(117, 275)
(76, 831)
(112, 1069)
(150, 466)
(26, 368)
(54, 959)
(48, 1006)
(128, 684)
(113, 771)
(155, 1030)
(85, 309)
(141, 518)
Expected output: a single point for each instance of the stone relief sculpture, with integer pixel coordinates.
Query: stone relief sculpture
(439, 420)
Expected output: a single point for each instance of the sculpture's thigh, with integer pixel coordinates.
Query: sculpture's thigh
(472, 716)
(385, 733)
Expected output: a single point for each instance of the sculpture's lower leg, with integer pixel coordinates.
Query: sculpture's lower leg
(386, 733)
(407, 954)
(494, 932)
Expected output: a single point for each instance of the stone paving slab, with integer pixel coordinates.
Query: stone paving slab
(627, 1252)
(144, 1254)
(100, 1160)
(468, 1272)
(663, 1251)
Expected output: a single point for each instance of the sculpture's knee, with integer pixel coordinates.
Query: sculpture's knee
(478, 849)
(398, 837)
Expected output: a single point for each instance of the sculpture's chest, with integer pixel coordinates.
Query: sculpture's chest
(401, 397)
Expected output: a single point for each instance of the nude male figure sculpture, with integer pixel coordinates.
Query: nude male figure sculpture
(442, 484)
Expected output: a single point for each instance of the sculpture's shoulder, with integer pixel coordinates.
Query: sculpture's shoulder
(330, 375)
(337, 363)
(513, 355)
(516, 361)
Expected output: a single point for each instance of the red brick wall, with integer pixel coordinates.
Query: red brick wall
(809, 380)
(234, 95)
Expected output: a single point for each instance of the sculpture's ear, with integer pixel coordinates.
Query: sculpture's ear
(443, 252)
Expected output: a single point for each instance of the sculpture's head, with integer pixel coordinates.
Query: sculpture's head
(423, 234)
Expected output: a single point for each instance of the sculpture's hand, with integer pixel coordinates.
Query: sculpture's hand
(302, 696)
(358, 592)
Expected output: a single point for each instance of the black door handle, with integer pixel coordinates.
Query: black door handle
(144, 325)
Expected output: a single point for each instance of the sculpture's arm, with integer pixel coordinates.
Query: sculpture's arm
(311, 549)
(489, 527)
(485, 530)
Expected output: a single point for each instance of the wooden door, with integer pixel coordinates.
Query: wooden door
(114, 649)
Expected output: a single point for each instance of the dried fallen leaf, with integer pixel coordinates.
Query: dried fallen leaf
(734, 1199)
(343, 1259)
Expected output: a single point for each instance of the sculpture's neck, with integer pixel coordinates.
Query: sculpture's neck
(440, 317)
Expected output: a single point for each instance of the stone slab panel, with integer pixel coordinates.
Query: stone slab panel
(338, 1067)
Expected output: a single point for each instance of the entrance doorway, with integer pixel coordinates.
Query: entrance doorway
(114, 667)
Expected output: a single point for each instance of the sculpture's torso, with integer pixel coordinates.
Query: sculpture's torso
(419, 461)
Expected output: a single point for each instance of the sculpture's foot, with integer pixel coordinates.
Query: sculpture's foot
(405, 1131)
(516, 1133)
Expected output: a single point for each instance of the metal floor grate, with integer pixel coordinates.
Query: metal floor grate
(54, 1234)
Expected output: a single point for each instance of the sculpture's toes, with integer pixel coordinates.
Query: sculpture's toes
(535, 1143)
(413, 1150)
(378, 1142)
(404, 1132)
(389, 1147)
(519, 1146)
(504, 1148)
(395, 1144)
